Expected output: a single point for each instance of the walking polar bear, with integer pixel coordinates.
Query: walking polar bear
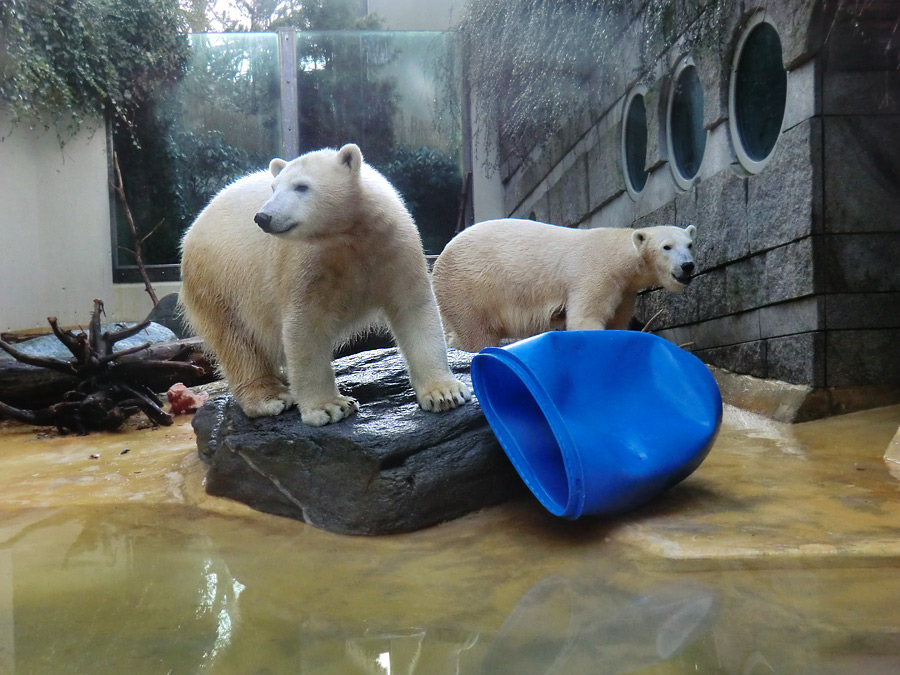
(333, 252)
(509, 278)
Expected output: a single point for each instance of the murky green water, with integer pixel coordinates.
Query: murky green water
(122, 565)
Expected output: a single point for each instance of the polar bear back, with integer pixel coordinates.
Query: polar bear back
(518, 274)
(511, 278)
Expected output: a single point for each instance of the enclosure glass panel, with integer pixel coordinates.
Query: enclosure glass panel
(220, 121)
(396, 95)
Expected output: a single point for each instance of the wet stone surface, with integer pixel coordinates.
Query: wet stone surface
(48, 346)
(27, 386)
(389, 468)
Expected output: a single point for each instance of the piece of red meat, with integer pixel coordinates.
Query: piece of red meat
(183, 400)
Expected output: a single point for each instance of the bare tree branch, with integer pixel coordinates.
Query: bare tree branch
(119, 188)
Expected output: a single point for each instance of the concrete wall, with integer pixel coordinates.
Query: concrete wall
(798, 278)
(54, 227)
(55, 236)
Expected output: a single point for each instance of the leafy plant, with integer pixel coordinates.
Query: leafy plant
(64, 61)
(268, 15)
(430, 183)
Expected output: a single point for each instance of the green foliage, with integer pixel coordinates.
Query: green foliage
(430, 183)
(65, 61)
(344, 97)
(269, 15)
(192, 113)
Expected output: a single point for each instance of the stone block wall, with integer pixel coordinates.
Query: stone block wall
(798, 275)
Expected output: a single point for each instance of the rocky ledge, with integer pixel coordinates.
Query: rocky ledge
(389, 468)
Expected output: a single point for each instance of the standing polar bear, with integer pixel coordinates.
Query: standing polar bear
(513, 278)
(333, 252)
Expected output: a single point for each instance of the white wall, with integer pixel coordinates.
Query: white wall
(55, 243)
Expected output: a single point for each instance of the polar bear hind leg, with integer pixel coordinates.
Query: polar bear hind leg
(468, 330)
(251, 372)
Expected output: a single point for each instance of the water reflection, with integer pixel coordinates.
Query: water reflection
(112, 595)
(144, 598)
(159, 590)
(778, 555)
(117, 594)
(603, 629)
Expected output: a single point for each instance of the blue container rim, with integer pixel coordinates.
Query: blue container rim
(565, 444)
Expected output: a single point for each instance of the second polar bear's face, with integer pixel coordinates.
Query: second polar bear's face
(668, 250)
(313, 194)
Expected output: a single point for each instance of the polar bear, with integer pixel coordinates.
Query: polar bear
(509, 278)
(333, 252)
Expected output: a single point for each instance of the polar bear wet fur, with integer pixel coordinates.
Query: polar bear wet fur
(333, 252)
(510, 278)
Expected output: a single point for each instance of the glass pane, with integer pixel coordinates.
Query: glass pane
(687, 133)
(396, 95)
(636, 143)
(760, 92)
(220, 121)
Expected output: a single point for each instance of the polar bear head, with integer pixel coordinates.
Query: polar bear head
(667, 250)
(317, 193)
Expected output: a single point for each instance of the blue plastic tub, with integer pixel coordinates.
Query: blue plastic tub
(598, 422)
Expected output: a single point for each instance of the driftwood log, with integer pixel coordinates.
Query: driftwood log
(98, 388)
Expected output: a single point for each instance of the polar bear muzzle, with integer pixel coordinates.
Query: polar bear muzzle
(687, 271)
(269, 225)
(264, 220)
(278, 215)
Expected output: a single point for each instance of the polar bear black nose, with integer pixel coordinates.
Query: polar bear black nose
(264, 220)
(687, 267)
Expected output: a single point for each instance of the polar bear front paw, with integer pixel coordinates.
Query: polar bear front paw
(266, 405)
(443, 395)
(327, 411)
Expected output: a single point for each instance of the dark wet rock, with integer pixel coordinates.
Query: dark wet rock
(389, 468)
(167, 313)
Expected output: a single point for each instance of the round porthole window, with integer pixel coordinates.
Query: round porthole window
(757, 94)
(686, 136)
(634, 142)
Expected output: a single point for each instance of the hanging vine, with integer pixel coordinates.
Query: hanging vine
(66, 63)
(533, 64)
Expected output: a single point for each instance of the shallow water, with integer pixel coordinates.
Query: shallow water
(780, 554)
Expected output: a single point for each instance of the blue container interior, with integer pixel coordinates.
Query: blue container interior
(525, 433)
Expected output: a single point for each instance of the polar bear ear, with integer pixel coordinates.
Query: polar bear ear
(351, 156)
(691, 231)
(276, 165)
(639, 238)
